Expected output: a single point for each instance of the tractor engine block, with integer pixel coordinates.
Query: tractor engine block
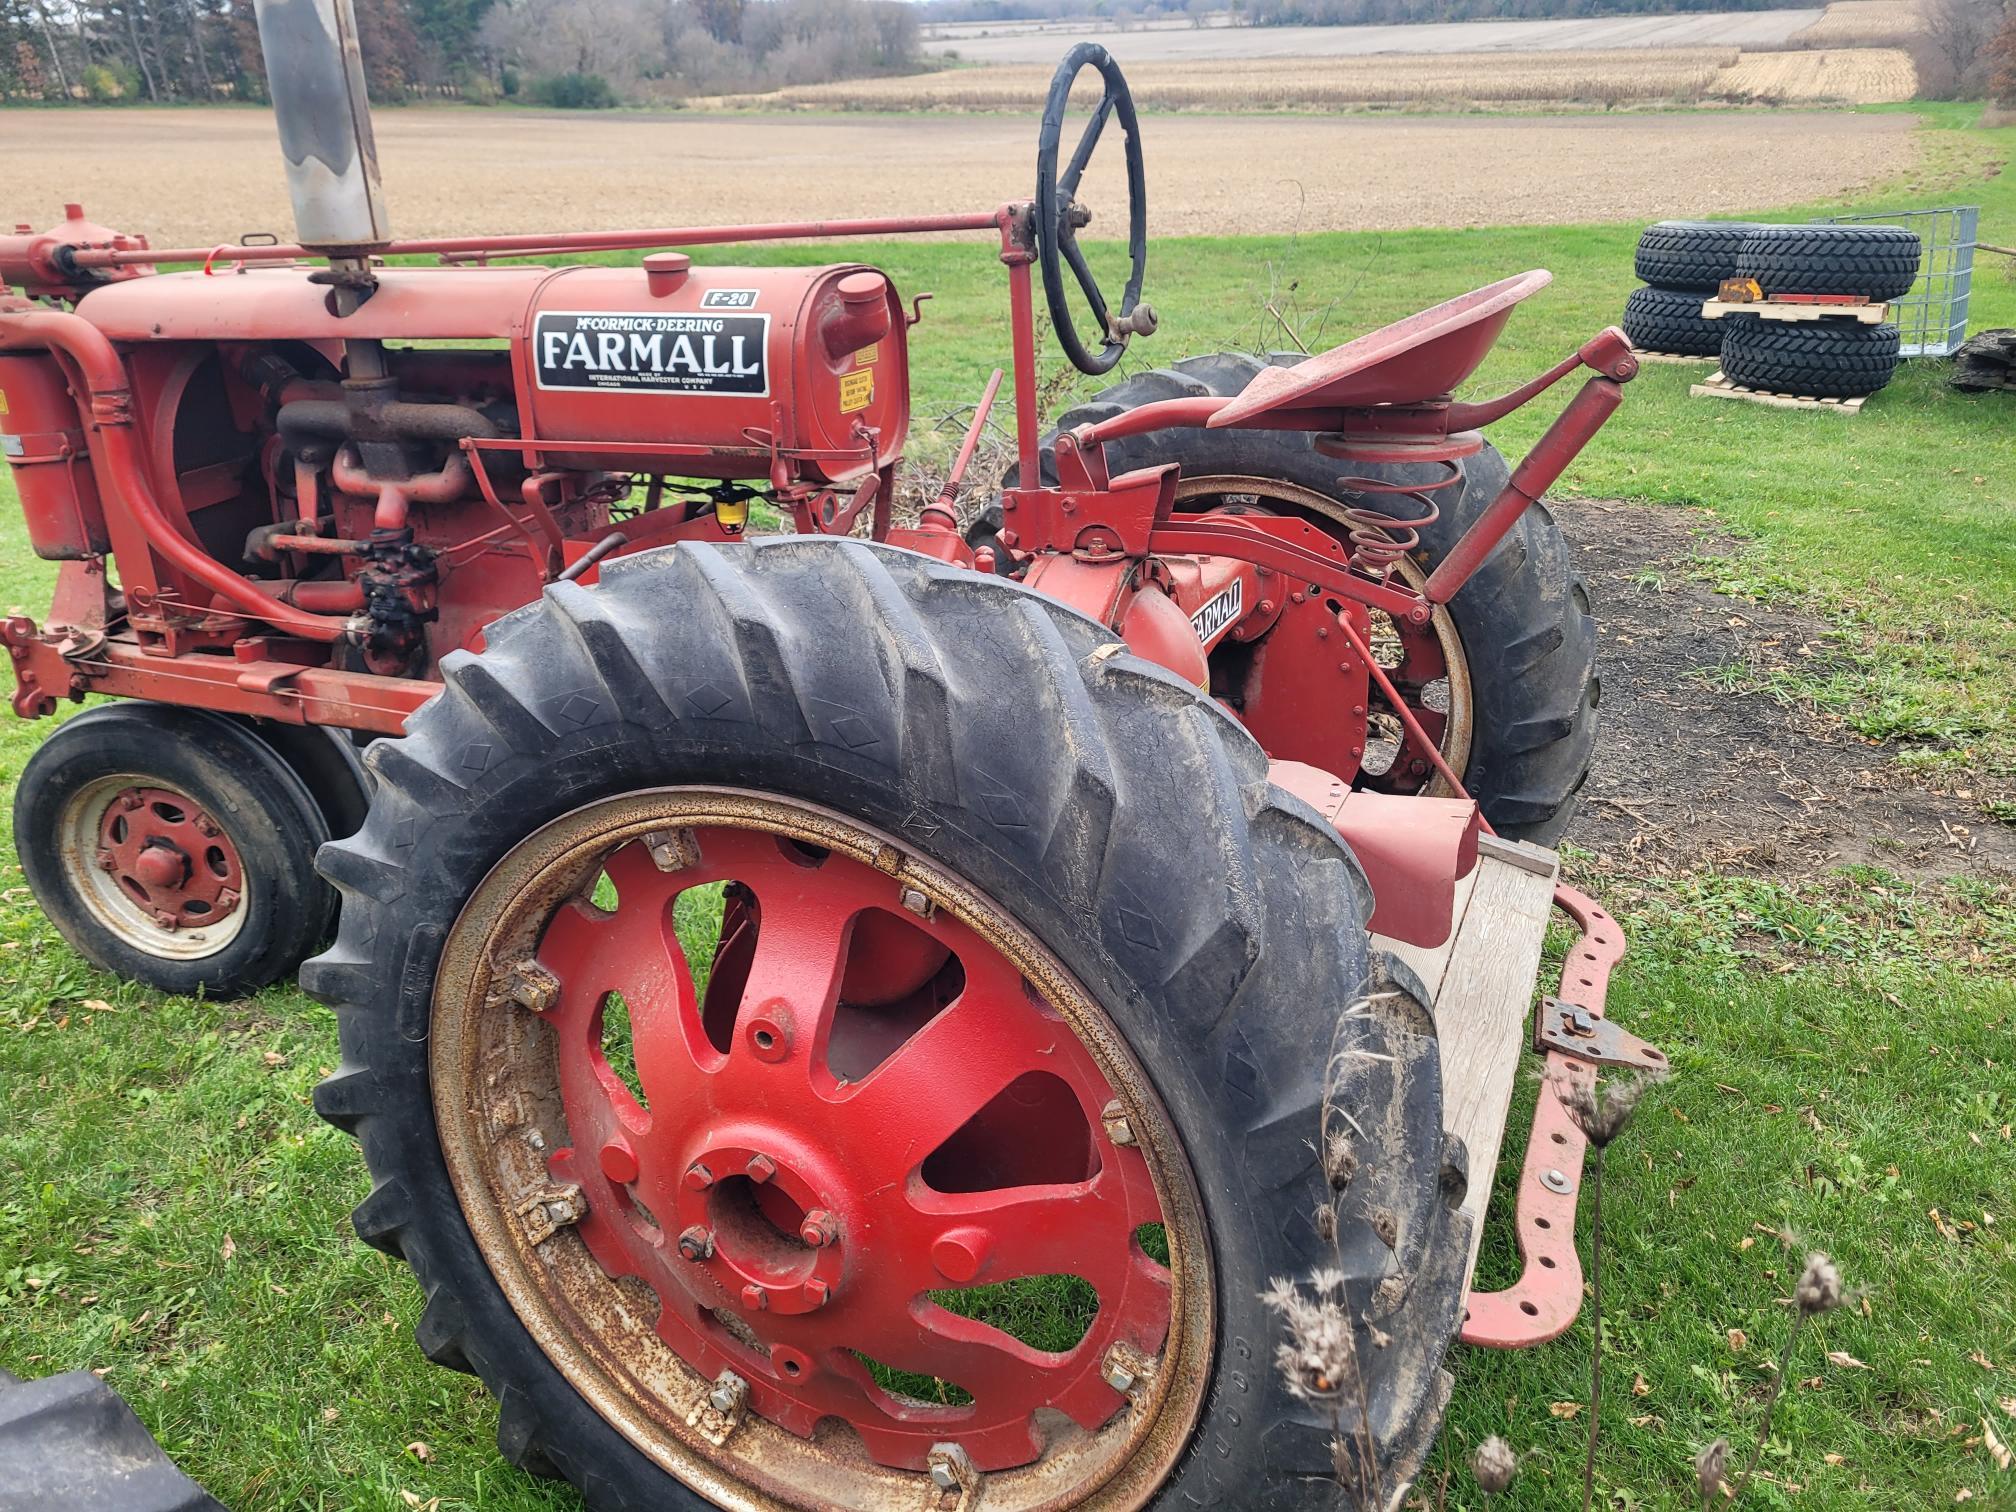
(420, 450)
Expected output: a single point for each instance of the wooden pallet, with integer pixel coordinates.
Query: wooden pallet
(1718, 387)
(1669, 357)
(1481, 982)
(1774, 309)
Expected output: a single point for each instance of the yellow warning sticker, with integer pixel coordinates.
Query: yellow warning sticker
(867, 354)
(856, 390)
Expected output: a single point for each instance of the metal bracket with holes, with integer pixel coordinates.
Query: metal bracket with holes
(1544, 1301)
(1571, 1029)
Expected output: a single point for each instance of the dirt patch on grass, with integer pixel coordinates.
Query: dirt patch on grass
(1688, 775)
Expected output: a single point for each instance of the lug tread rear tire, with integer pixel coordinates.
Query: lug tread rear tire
(1524, 619)
(1225, 944)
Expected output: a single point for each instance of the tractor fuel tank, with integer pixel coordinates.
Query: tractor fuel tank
(42, 437)
(717, 362)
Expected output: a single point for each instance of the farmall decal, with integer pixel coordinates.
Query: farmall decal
(1210, 621)
(652, 353)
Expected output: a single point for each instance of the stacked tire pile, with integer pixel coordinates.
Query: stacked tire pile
(1835, 357)
(1682, 264)
(1830, 358)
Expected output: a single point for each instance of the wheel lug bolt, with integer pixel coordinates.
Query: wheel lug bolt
(819, 1228)
(761, 1168)
(698, 1177)
(696, 1244)
(107, 861)
(817, 1292)
(755, 1298)
(619, 1162)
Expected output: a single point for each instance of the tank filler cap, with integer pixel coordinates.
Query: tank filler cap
(665, 271)
(860, 289)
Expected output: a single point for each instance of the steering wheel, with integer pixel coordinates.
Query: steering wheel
(1059, 215)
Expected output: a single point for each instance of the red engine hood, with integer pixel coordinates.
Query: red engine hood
(266, 304)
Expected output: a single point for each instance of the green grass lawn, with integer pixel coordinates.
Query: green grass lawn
(173, 1214)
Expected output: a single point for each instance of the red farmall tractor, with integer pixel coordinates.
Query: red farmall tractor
(752, 951)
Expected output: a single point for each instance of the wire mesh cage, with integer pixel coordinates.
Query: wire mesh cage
(1932, 319)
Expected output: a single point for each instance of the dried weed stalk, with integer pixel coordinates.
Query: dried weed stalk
(1318, 1358)
(1601, 1113)
(1819, 1291)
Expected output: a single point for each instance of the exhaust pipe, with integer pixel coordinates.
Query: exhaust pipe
(315, 75)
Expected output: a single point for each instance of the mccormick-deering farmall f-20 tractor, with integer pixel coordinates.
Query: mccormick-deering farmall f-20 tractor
(755, 955)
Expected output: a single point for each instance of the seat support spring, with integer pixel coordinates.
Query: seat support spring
(1378, 539)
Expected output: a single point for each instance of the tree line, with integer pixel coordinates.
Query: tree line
(570, 53)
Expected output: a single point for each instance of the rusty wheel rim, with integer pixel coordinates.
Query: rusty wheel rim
(1426, 663)
(714, 1244)
(153, 867)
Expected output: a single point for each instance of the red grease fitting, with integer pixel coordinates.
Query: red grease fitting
(878, 1131)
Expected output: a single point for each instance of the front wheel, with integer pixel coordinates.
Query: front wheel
(173, 847)
(799, 1076)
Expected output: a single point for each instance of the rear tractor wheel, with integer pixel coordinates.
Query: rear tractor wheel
(1503, 678)
(797, 1083)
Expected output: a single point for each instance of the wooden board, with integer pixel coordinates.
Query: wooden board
(1670, 356)
(1772, 309)
(1715, 386)
(1482, 983)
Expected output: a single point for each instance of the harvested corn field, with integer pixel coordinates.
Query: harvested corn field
(196, 176)
(993, 42)
(1679, 73)
(1863, 23)
(1846, 76)
(1618, 76)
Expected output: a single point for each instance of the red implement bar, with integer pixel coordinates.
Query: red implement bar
(1544, 1301)
(562, 243)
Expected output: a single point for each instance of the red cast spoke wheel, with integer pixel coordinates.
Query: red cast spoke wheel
(804, 1156)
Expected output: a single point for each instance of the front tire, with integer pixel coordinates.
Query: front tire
(962, 739)
(173, 847)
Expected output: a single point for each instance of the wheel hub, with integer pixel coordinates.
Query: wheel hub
(169, 857)
(804, 1163)
(752, 1226)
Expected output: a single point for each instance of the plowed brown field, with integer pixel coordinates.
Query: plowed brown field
(190, 177)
